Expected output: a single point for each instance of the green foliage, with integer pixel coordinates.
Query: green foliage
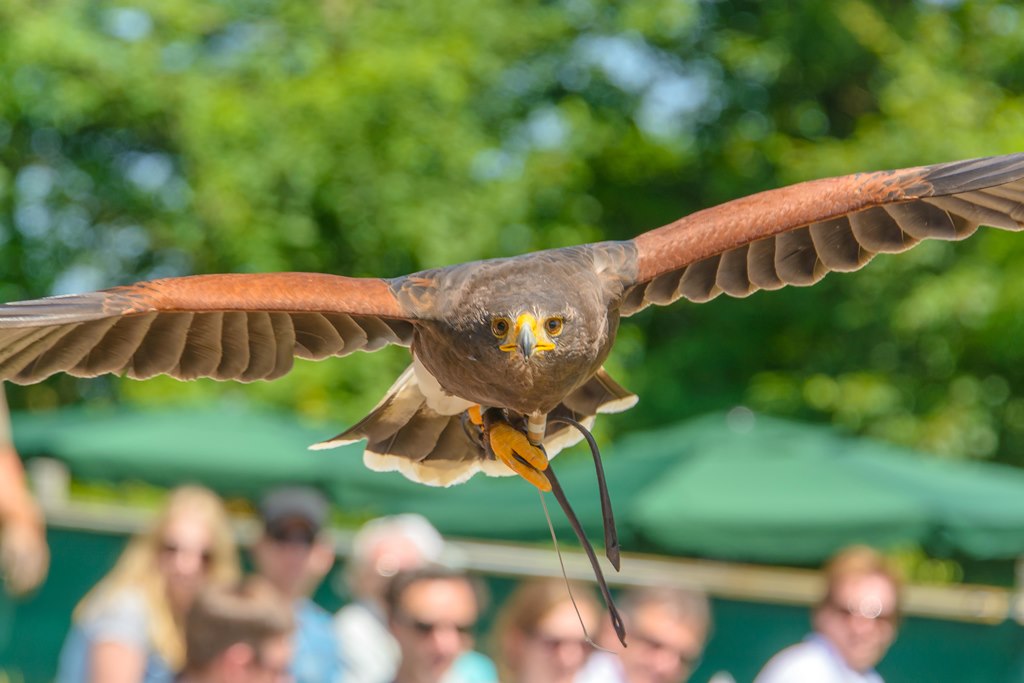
(149, 139)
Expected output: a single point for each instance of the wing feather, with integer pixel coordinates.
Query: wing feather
(697, 283)
(24, 346)
(733, 276)
(378, 333)
(796, 235)
(354, 336)
(878, 232)
(72, 347)
(240, 327)
(201, 354)
(836, 245)
(262, 347)
(796, 260)
(967, 206)
(921, 221)
(315, 336)
(234, 340)
(115, 351)
(761, 265)
(161, 348)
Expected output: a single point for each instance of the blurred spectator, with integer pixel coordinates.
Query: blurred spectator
(432, 613)
(854, 625)
(539, 637)
(238, 634)
(666, 629)
(382, 548)
(294, 554)
(24, 556)
(128, 629)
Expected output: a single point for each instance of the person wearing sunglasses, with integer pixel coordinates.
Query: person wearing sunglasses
(854, 624)
(294, 554)
(128, 628)
(380, 549)
(666, 630)
(541, 632)
(432, 613)
(240, 633)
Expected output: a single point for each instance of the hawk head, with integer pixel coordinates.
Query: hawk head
(526, 335)
(516, 333)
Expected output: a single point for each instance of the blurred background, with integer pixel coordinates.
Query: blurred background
(150, 139)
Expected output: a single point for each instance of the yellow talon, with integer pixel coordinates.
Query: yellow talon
(508, 442)
(474, 415)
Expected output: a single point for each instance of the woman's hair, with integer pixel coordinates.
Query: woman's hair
(523, 611)
(137, 568)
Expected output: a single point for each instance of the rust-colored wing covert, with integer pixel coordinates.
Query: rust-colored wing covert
(797, 234)
(239, 327)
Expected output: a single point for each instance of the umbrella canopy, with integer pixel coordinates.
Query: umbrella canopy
(753, 489)
(242, 452)
(764, 489)
(232, 449)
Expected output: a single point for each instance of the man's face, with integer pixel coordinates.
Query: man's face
(556, 648)
(273, 662)
(662, 647)
(860, 619)
(270, 664)
(283, 555)
(433, 625)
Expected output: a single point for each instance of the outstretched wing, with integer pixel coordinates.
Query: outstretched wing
(240, 327)
(797, 234)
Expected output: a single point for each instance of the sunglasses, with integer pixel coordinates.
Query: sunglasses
(687, 660)
(172, 548)
(426, 628)
(302, 536)
(556, 643)
(869, 608)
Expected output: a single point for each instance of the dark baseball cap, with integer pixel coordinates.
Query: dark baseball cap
(288, 505)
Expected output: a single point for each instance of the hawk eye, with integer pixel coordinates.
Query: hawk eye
(500, 326)
(553, 326)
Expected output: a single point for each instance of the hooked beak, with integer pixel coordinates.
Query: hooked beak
(526, 338)
(526, 342)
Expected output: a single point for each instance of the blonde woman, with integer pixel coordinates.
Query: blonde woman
(128, 629)
(538, 635)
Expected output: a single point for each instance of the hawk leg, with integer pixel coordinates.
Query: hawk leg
(512, 447)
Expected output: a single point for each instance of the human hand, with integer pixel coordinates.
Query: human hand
(24, 555)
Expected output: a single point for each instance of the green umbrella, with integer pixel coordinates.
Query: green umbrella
(762, 489)
(754, 489)
(232, 449)
(238, 451)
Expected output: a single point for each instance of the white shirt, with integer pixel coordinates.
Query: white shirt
(601, 667)
(369, 652)
(814, 660)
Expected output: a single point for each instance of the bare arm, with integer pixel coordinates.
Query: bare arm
(24, 556)
(114, 662)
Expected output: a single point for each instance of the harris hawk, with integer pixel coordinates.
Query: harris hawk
(522, 337)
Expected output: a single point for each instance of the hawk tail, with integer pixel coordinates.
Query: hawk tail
(406, 435)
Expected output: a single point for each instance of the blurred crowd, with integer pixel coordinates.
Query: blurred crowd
(177, 606)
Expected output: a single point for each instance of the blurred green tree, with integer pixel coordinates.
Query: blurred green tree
(144, 139)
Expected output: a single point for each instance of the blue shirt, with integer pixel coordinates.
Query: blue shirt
(120, 618)
(316, 659)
